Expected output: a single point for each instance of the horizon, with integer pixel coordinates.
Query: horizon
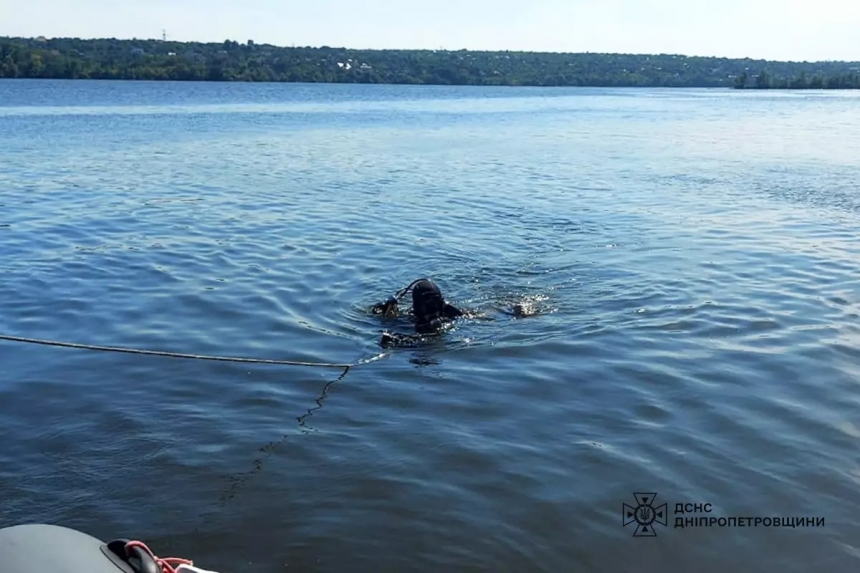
(769, 30)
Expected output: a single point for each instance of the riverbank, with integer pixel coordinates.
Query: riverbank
(71, 58)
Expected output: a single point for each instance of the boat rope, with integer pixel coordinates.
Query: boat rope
(343, 366)
(164, 564)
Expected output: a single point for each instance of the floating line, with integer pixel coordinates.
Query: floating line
(173, 354)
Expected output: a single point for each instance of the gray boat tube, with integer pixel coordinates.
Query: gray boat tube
(39, 548)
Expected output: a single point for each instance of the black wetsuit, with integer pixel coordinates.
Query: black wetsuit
(429, 310)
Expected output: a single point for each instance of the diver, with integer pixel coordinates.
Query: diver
(430, 312)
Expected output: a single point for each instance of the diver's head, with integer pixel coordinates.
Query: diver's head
(427, 302)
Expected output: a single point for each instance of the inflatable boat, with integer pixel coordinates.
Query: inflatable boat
(37, 548)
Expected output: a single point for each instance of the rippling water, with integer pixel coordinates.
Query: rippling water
(694, 256)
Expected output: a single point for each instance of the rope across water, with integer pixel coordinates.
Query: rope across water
(343, 366)
(177, 354)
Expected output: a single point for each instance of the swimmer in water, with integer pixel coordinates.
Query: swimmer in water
(430, 312)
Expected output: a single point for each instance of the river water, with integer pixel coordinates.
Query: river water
(692, 255)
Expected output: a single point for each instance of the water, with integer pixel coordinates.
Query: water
(694, 255)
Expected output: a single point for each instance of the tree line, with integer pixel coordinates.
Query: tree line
(72, 58)
(849, 80)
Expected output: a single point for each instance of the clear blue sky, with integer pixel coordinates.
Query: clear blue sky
(772, 29)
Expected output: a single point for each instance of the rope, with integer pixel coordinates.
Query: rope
(173, 354)
(166, 564)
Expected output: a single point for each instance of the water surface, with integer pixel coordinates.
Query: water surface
(694, 254)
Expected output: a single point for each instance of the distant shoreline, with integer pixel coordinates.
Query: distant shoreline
(270, 82)
(229, 61)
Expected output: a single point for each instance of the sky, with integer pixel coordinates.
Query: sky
(795, 30)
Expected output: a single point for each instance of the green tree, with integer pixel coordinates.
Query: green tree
(36, 67)
(801, 82)
(834, 82)
(8, 69)
(230, 61)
